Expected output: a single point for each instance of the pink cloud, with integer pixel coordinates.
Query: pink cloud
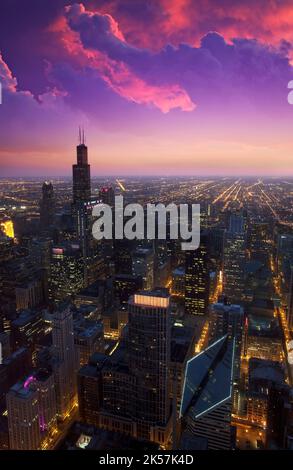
(74, 12)
(186, 21)
(117, 74)
(6, 78)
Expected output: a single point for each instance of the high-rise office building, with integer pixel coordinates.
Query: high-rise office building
(88, 338)
(178, 281)
(29, 294)
(122, 256)
(81, 197)
(27, 330)
(66, 360)
(258, 236)
(129, 391)
(269, 406)
(290, 302)
(17, 269)
(149, 358)
(107, 195)
(234, 258)
(90, 389)
(23, 417)
(143, 266)
(228, 320)
(66, 271)
(126, 285)
(81, 173)
(13, 368)
(47, 206)
(32, 402)
(43, 382)
(207, 398)
(197, 279)
(284, 251)
(284, 265)
(119, 395)
(82, 207)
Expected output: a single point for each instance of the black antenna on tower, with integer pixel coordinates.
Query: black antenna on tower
(81, 136)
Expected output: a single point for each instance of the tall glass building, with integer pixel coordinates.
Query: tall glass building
(207, 398)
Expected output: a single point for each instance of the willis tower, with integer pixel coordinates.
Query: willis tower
(81, 173)
(82, 200)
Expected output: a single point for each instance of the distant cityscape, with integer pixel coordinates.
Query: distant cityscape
(136, 344)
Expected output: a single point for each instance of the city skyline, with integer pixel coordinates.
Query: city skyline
(137, 339)
(161, 88)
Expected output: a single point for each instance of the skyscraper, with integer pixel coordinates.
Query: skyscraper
(197, 279)
(90, 388)
(47, 206)
(264, 376)
(88, 338)
(13, 368)
(290, 302)
(143, 266)
(81, 173)
(81, 196)
(129, 390)
(43, 382)
(23, 417)
(234, 258)
(207, 397)
(126, 285)
(228, 320)
(122, 256)
(82, 207)
(65, 366)
(67, 271)
(107, 195)
(149, 359)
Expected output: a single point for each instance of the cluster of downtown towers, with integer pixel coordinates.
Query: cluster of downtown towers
(136, 338)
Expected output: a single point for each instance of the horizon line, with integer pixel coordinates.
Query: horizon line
(205, 175)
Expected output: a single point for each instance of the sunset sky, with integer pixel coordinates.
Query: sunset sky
(162, 87)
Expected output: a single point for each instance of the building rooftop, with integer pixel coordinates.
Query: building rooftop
(235, 308)
(84, 331)
(208, 378)
(25, 317)
(82, 436)
(259, 325)
(14, 355)
(262, 306)
(42, 375)
(97, 359)
(265, 370)
(157, 292)
(21, 389)
(88, 370)
(153, 298)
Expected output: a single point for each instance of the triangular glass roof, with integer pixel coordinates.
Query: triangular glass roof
(208, 378)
